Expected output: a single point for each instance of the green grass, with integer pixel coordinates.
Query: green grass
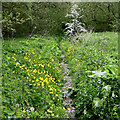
(33, 76)
(93, 66)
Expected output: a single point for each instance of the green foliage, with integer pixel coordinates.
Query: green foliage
(32, 79)
(93, 68)
(49, 17)
(100, 16)
(14, 15)
(18, 19)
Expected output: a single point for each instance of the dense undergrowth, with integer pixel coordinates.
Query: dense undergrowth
(32, 77)
(93, 65)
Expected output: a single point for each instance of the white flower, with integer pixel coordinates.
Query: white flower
(75, 27)
(113, 95)
(85, 111)
(32, 108)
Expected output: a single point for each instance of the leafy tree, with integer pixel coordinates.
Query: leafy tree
(20, 18)
(49, 17)
(13, 15)
(100, 16)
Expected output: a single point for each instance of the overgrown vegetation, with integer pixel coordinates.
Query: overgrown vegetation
(34, 68)
(94, 68)
(32, 78)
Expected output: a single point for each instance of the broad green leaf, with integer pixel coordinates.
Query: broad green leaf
(98, 74)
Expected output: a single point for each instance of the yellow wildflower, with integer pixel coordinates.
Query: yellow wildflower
(17, 63)
(41, 78)
(50, 88)
(41, 65)
(68, 108)
(28, 74)
(42, 84)
(38, 84)
(49, 111)
(52, 114)
(25, 57)
(8, 57)
(35, 71)
(33, 53)
(24, 111)
(116, 96)
(37, 80)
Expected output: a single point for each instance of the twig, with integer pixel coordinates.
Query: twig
(32, 32)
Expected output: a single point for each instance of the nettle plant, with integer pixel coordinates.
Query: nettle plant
(75, 27)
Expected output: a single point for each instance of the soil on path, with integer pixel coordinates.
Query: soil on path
(68, 84)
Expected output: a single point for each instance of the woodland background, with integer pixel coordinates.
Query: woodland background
(19, 19)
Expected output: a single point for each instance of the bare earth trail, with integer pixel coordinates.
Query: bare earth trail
(68, 84)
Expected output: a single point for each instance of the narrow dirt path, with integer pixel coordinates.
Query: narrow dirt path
(68, 84)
